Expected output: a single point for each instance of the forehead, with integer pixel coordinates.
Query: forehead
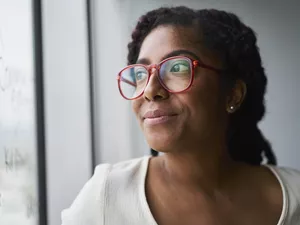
(165, 39)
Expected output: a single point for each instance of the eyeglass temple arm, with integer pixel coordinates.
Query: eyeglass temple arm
(201, 64)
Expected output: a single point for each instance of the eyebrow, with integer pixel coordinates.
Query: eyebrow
(171, 54)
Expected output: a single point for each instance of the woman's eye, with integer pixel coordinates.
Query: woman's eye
(140, 75)
(179, 68)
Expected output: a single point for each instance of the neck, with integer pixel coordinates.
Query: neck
(209, 168)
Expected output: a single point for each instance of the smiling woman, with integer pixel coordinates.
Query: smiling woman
(197, 85)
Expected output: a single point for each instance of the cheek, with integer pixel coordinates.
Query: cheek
(136, 107)
(204, 96)
(202, 91)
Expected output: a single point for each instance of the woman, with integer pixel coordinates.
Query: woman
(197, 85)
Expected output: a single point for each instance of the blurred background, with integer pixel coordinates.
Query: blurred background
(60, 109)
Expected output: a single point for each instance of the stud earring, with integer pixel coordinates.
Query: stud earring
(231, 109)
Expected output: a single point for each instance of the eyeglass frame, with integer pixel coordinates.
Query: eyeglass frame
(193, 63)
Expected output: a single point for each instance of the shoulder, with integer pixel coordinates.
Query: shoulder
(83, 207)
(89, 205)
(290, 182)
(290, 178)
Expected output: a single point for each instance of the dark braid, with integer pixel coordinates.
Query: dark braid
(236, 45)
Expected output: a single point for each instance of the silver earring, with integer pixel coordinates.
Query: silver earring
(231, 107)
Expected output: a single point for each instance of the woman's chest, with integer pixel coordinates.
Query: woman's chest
(171, 208)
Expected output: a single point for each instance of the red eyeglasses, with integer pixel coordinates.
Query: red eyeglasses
(175, 74)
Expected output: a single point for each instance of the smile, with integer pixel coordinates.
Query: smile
(159, 119)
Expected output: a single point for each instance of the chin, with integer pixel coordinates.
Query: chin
(161, 143)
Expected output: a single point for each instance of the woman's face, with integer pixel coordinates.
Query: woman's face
(173, 121)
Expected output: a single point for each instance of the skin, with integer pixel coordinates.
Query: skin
(195, 181)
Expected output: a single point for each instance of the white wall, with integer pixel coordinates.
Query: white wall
(68, 142)
(114, 118)
(276, 23)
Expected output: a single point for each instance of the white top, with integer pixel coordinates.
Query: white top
(115, 195)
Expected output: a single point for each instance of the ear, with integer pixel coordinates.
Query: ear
(236, 96)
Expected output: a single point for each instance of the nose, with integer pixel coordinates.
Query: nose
(154, 91)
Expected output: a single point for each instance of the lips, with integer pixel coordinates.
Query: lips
(158, 113)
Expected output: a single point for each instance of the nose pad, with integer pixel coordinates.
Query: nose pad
(152, 70)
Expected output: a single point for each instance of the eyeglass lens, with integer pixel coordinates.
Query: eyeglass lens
(174, 74)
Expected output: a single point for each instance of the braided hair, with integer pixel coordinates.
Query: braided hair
(236, 45)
